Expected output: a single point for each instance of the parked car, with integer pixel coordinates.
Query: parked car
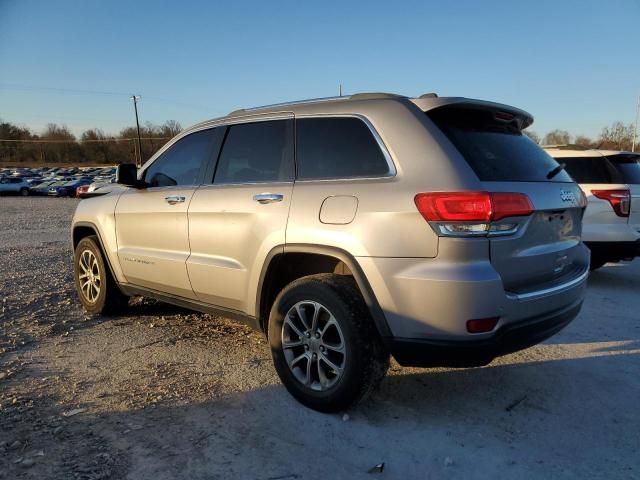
(14, 185)
(43, 188)
(427, 228)
(101, 188)
(82, 189)
(34, 181)
(69, 188)
(611, 181)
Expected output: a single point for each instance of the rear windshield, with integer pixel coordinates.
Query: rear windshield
(496, 150)
(622, 168)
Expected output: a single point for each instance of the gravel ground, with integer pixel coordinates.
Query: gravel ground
(163, 393)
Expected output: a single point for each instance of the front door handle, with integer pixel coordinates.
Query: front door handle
(268, 197)
(173, 199)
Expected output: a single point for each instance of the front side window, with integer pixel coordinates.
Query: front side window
(257, 152)
(182, 162)
(337, 147)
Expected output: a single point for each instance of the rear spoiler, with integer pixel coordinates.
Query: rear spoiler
(523, 119)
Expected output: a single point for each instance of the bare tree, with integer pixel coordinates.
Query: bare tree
(532, 136)
(617, 137)
(557, 137)
(583, 141)
(170, 128)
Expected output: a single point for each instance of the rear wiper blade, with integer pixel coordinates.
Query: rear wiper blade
(556, 171)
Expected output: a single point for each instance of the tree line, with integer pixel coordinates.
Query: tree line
(618, 136)
(57, 144)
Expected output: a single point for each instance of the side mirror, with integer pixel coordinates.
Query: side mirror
(127, 174)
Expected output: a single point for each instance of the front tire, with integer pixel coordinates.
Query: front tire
(95, 285)
(24, 192)
(324, 344)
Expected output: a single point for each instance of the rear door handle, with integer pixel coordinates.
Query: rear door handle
(268, 197)
(173, 199)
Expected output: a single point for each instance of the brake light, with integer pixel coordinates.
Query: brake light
(620, 200)
(472, 206)
(455, 206)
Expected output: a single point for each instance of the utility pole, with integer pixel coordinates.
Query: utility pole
(635, 128)
(340, 89)
(135, 99)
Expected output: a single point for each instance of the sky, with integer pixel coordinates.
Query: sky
(574, 65)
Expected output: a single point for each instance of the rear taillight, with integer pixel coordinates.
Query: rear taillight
(471, 213)
(455, 206)
(620, 200)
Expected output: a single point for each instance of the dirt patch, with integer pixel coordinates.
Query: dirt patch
(161, 392)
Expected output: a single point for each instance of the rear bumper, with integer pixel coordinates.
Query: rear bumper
(615, 250)
(610, 232)
(473, 353)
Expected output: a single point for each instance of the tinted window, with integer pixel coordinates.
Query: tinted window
(495, 150)
(627, 166)
(257, 152)
(181, 164)
(337, 148)
(590, 169)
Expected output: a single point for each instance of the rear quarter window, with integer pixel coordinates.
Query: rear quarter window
(496, 151)
(337, 147)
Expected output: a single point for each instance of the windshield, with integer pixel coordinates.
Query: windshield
(496, 150)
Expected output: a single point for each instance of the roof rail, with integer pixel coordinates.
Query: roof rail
(355, 96)
(284, 104)
(374, 96)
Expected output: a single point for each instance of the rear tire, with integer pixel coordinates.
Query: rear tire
(95, 285)
(334, 361)
(24, 192)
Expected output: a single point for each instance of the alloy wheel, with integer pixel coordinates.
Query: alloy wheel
(313, 345)
(89, 276)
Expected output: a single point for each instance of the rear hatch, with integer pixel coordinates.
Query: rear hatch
(530, 252)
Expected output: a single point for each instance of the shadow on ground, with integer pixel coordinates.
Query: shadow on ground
(573, 418)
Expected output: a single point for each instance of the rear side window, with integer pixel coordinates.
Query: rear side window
(182, 162)
(590, 169)
(495, 150)
(337, 147)
(257, 152)
(627, 167)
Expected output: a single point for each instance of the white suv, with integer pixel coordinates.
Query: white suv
(14, 185)
(611, 181)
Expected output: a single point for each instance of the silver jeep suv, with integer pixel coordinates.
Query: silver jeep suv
(348, 229)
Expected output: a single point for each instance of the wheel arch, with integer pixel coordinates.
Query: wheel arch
(279, 269)
(84, 229)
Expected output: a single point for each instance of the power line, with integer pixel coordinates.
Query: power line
(33, 88)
